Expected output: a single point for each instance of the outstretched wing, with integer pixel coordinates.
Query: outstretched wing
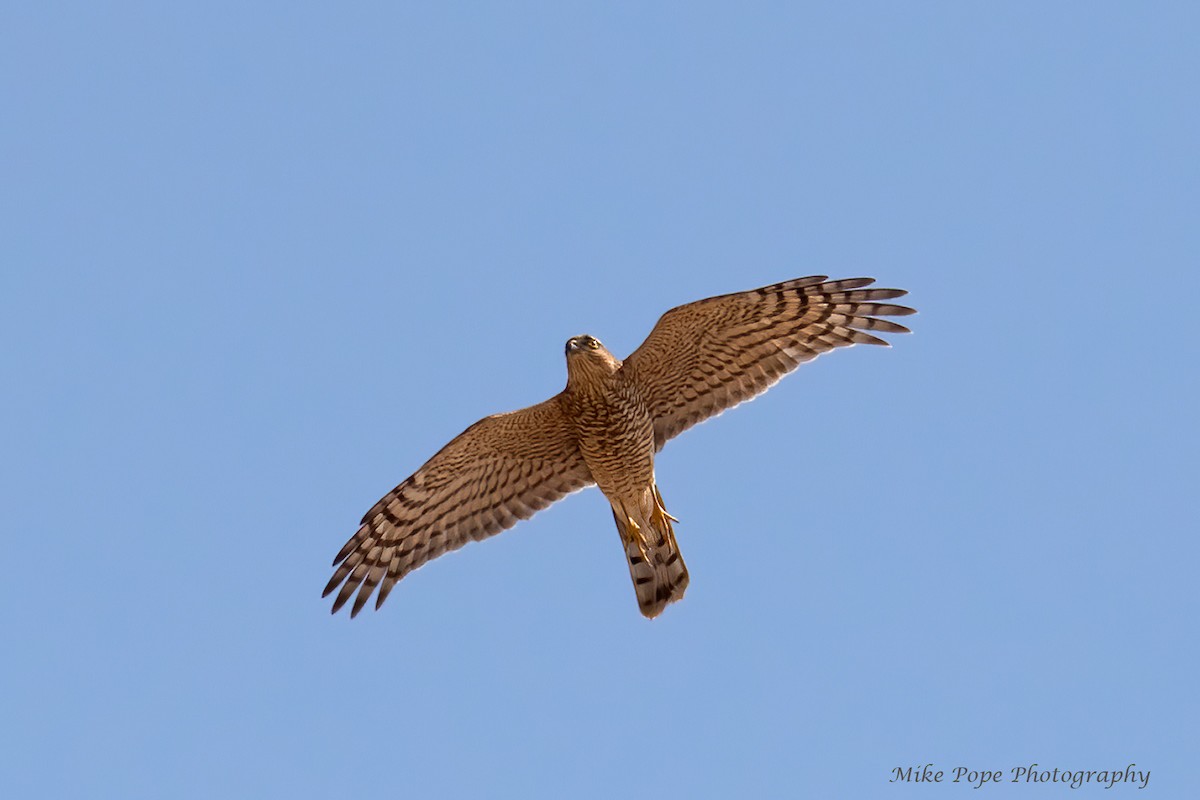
(704, 357)
(502, 469)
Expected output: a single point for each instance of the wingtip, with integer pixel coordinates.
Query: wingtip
(338, 602)
(383, 592)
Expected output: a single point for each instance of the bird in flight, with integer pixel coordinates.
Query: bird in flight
(604, 428)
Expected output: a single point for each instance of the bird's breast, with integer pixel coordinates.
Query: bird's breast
(616, 436)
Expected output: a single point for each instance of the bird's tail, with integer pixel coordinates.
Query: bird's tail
(655, 564)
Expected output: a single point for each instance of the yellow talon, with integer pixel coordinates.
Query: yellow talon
(661, 508)
(635, 531)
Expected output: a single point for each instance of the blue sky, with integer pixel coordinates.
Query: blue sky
(259, 263)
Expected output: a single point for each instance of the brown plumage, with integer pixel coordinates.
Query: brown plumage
(605, 427)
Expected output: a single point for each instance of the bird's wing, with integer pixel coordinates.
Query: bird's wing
(704, 357)
(502, 469)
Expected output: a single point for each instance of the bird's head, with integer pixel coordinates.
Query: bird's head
(586, 356)
(584, 344)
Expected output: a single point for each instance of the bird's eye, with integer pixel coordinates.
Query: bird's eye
(593, 344)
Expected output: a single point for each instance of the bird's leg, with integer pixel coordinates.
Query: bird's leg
(631, 532)
(635, 531)
(660, 508)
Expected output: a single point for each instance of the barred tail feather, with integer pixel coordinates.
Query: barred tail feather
(655, 564)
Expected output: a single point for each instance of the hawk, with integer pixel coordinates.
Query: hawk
(605, 428)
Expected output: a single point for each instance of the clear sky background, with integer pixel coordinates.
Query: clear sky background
(258, 264)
